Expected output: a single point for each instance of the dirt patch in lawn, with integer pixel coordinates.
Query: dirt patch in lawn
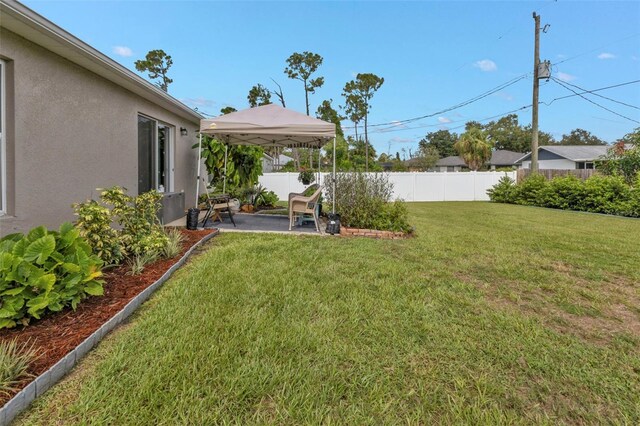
(615, 314)
(57, 334)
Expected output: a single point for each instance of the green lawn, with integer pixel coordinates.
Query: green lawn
(492, 314)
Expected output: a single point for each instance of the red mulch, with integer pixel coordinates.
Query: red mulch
(58, 334)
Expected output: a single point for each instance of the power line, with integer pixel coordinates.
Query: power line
(591, 91)
(495, 116)
(517, 24)
(393, 129)
(459, 121)
(603, 97)
(595, 103)
(596, 49)
(451, 108)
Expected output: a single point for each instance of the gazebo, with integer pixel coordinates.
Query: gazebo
(269, 126)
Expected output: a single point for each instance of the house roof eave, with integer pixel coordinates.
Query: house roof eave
(26, 23)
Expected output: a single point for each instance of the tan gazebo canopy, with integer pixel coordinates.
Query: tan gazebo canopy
(269, 126)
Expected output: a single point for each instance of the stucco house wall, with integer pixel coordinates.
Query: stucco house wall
(70, 131)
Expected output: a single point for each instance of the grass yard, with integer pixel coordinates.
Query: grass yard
(493, 314)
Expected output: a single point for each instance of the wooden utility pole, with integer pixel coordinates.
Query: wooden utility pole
(536, 88)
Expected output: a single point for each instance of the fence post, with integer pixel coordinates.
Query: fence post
(414, 186)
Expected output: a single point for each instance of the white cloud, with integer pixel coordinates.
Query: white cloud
(486, 65)
(561, 56)
(565, 77)
(395, 125)
(634, 58)
(606, 55)
(444, 120)
(122, 51)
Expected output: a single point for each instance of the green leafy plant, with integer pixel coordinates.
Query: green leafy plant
(503, 191)
(94, 223)
(306, 177)
(528, 191)
(137, 263)
(44, 271)
(363, 200)
(137, 217)
(174, 243)
(262, 197)
(622, 161)
(393, 217)
(605, 194)
(244, 163)
(597, 194)
(15, 360)
(270, 199)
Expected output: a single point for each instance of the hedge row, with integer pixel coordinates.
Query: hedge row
(597, 194)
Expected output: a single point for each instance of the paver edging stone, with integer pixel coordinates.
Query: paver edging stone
(46, 380)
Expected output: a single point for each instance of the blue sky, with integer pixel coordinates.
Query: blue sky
(432, 55)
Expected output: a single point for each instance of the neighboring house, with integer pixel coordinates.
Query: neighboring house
(73, 120)
(415, 164)
(566, 157)
(453, 163)
(271, 164)
(500, 158)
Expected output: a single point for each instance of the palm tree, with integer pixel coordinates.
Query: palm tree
(473, 148)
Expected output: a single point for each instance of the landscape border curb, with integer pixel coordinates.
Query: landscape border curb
(46, 380)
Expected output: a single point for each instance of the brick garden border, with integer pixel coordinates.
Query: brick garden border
(373, 233)
(46, 380)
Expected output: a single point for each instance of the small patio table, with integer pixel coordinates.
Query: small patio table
(216, 205)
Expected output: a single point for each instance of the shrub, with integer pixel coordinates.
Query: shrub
(270, 198)
(363, 201)
(45, 271)
(598, 194)
(622, 162)
(141, 231)
(503, 191)
(605, 194)
(262, 197)
(94, 223)
(393, 217)
(14, 362)
(528, 191)
(174, 243)
(564, 192)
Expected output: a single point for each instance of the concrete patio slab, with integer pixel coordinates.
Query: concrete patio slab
(264, 223)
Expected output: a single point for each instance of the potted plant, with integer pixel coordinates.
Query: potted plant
(248, 194)
(306, 176)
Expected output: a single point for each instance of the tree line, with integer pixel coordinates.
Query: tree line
(353, 152)
(474, 145)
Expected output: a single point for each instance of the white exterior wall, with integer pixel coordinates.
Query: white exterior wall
(559, 164)
(427, 186)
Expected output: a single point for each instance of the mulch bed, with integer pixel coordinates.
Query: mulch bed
(58, 334)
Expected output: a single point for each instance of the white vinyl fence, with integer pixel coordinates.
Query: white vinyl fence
(414, 186)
